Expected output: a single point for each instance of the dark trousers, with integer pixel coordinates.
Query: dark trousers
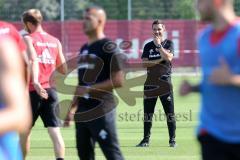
(168, 106)
(213, 148)
(101, 130)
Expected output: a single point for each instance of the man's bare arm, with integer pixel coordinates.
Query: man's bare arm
(61, 61)
(34, 67)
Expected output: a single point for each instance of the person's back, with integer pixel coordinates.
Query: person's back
(46, 47)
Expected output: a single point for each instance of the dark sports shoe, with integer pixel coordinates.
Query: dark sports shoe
(172, 144)
(143, 143)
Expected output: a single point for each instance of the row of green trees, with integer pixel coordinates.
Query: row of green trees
(11, 10)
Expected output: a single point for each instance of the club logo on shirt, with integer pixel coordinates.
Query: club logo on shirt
(109, 47)
(46, 58)
(151, 51)
(152, 55)
(47, 44)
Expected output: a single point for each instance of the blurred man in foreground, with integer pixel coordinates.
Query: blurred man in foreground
(15, 114)
(219, 45)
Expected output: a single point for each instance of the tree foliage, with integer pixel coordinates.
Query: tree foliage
(49, 8)
(11, 10)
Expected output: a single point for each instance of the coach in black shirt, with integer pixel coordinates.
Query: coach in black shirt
(157, 56)
(93, 105)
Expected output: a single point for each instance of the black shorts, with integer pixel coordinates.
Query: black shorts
(47, 109)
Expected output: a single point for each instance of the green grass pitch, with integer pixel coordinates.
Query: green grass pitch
(130, 131)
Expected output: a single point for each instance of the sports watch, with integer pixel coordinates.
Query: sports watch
(159, 46)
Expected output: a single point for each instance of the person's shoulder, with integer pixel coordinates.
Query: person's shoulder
(83, 47)
(236, 25)
(7, 43)
(107, 45)
(150, 43)
(205, 32)
(33, 34)
(27, 38)
(23, 32)
(236, 22)
(6, 24)
(2, 23)
(7, 28)
(106, 41)
(5, 37)
(52, 37)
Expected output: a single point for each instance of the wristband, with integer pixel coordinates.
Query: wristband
(159, 46)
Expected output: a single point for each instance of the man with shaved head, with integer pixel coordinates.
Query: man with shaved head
(219, 46)
(99, 72)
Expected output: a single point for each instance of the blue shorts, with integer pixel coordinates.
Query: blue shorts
(10, 147)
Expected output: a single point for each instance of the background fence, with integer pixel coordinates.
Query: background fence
(129, 20)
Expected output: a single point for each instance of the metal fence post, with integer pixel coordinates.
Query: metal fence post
(129, 10)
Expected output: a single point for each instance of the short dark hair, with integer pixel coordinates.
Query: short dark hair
(33, 16)
(157, 22)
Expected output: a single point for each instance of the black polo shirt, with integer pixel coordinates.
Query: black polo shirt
(162, 69)
(96, 63)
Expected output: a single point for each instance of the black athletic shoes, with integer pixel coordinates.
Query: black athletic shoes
(172, 143)
(143, 143)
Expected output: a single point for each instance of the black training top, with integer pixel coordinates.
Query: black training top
(151, 52)
(96, 63)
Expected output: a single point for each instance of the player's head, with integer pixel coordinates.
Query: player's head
(94, 19)
(210, 9)
(158, 28)
(31, 19)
